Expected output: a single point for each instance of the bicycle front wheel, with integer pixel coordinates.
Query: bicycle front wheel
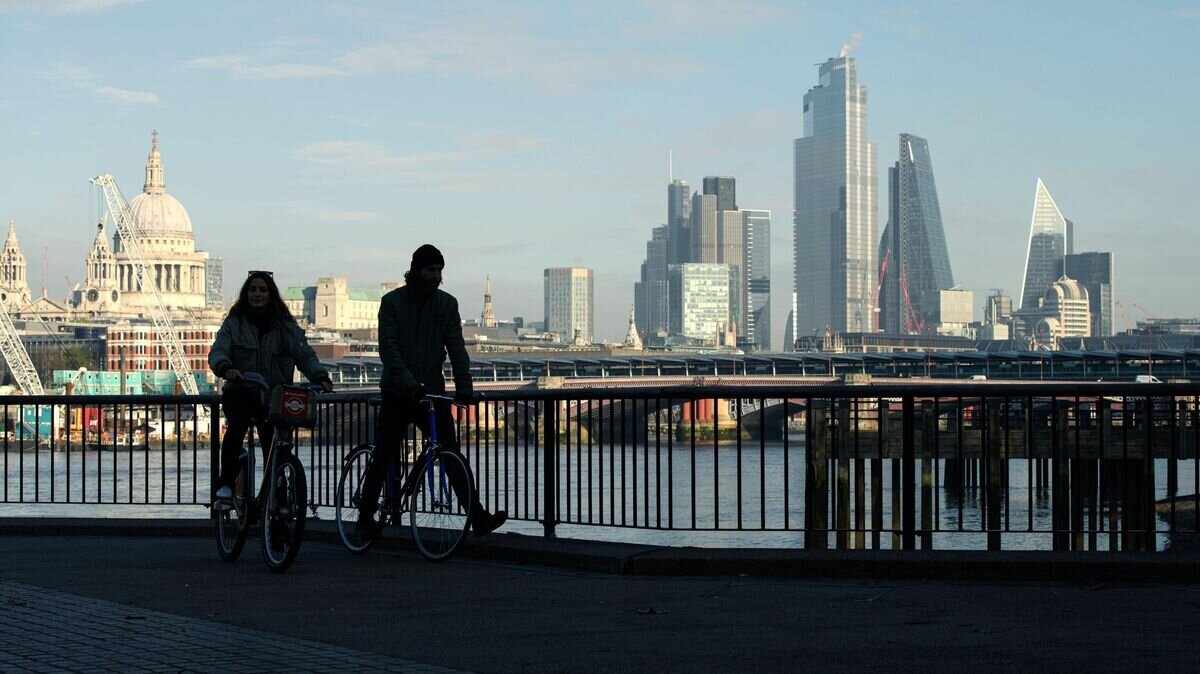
(438, 517)
(284, 515)
(231, 523)
(349, 498)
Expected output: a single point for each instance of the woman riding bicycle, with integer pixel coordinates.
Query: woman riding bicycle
(259, 335)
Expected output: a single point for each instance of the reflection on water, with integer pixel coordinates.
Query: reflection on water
(752, 497)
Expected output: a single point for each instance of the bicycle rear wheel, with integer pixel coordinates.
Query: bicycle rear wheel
(231, 524)
(437, 517)
(349, 496)
(284, 515)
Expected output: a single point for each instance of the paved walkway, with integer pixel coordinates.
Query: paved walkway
(48, 631)
(494, 616)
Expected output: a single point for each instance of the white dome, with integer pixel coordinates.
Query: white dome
(158, 214)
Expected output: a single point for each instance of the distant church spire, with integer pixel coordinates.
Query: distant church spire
(488, 318)
(12, 271)
(632, 340)
(155, 183)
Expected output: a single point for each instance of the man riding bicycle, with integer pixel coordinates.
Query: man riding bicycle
(258, 335)
(418, 326)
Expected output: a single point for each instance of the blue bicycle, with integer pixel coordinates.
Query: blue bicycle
(438, 518)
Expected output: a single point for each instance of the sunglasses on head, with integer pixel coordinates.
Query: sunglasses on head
(260, 271)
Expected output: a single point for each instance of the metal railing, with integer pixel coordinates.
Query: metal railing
(1093, 466)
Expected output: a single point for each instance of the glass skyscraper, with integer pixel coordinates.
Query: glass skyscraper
(724, 188)
(1094, 271)
(1051, 239)
(756, 334)
(699, 300)
(679, 216)
(914, 240)
(835, 207)
(650, 293)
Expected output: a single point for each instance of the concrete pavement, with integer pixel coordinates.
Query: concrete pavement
(502, 616)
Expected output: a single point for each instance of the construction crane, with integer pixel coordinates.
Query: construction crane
(883, 266)
(17, 357)
(1129, 325)
(165, 330)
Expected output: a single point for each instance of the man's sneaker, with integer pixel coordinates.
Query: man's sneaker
(366, 527)
(224, 499)
(490, 523)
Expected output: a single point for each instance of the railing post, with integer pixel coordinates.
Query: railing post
(214, 452)
(995, 464)
(908, 462)
(550, 468)
(816, 476)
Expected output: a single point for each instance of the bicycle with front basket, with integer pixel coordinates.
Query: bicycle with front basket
(280, 504)
(438, 518)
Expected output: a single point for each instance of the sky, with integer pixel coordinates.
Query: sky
(321, 138)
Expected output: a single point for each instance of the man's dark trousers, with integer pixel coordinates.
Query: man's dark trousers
(395, 415)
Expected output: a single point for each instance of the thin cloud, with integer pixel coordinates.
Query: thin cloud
(561, 65)
(78, 77)
(1188, 14)
(128, 96)
(242, 68)
(62, 6)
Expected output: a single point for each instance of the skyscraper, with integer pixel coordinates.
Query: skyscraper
(914, 241)
(679, 215)
(835, 206)
(699, 300)
(214, 283)
(756, 276)
(568, 303)
(731, 251)
(1051, 239)
(724, 188)
(1094, 271)
(704, 229)
(650, 292)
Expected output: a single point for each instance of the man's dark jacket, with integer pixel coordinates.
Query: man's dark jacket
(415, 336)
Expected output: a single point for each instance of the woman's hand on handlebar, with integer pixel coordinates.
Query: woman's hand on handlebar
(234, 374)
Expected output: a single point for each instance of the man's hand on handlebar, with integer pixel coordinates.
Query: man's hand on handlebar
(326, 385)
(417, 394)
(234, 374)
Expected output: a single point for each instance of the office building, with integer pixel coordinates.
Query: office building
(1094, 271)
(699, 298)
(835, 234)
(704, 229)
(724, 188)
(650, 291)
(1065, 313)
(214, 283)
(1051, 239)
(756, 275)
(332, 304)
(912, 252)
(949, 312)
(568, 304)
(679, 222)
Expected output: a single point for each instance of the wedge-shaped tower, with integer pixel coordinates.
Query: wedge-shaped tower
(1051, 240)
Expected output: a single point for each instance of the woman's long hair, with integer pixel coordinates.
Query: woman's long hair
(275, 311)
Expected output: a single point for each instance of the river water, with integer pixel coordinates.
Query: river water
(650, 495)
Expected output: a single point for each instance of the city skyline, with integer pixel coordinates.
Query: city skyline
(321, 125)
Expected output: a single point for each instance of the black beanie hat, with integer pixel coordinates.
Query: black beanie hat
(425, 256)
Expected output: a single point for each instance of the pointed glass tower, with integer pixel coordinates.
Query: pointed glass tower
(914, 240)
(1051, 239)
